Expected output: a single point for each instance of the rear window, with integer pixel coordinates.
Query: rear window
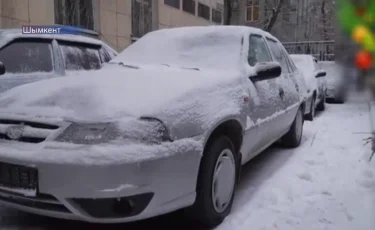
(27, 56)
(79, 56)
(304, 64)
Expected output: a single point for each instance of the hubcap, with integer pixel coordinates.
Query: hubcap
(299, 124)
(223, 180)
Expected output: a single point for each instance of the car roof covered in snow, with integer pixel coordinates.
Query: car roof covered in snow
(8, 35)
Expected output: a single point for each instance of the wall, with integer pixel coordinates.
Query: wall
(16, 13)
(112, 17)
(113, 22)
(172, 17)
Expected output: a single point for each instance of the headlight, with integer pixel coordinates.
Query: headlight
(89, 133)
(145, 130)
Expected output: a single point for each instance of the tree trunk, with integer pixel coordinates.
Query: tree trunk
(324, 19)
(272, 19)
(227, 12)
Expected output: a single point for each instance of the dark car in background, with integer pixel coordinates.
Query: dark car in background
(337, 87)
(27, 58)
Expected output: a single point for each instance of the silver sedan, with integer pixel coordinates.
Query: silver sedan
(165, 125)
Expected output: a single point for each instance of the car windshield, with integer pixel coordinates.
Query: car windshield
(194, 47)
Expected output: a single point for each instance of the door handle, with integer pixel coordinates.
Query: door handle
(281, 93)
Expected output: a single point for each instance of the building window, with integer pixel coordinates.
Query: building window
(217, 16)
(173, 3)
(141, 18)
(74, 13)
(203, 11)
(252, 10)
(188, 6)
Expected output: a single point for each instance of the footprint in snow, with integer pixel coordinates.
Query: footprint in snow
(368, 174)
(367, 183)
(305, 176)
(326, 193)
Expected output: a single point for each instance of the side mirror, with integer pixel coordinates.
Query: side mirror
(266, 70)
(320, 73)
(2, 68)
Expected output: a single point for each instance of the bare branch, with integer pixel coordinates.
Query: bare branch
(275, 13)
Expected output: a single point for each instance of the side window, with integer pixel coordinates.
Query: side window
(27, 56)
(291, 67)
(258, 51)
(79, 56)
(277, 53)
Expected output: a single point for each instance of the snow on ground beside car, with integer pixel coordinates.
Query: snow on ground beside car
(326, 183)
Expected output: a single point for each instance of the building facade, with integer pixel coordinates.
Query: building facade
(117, 22)
(298, 20)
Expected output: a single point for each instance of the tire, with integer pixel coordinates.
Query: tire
(311, 115)
(205, 212)
(340, 100)
(292, 138)
(322, 104)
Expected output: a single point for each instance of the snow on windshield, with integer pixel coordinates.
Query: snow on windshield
(193, 47)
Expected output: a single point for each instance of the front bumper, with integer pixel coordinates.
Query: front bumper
(94, 185)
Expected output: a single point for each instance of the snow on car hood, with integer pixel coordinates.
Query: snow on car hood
(113, 91)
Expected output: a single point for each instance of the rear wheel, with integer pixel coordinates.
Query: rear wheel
(292, 138)
(216, 183)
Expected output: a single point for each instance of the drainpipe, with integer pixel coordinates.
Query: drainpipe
(155, 14)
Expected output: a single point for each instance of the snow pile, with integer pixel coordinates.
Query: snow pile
(114, 91)
(193, 47)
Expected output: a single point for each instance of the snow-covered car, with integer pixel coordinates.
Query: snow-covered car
(315, 81)
(165, 125)
(33, 57)
(337, 87)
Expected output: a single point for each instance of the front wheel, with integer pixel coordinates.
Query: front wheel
(292, 138)
(216, 183)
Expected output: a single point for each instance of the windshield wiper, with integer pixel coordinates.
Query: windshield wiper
(125, 65)
(197, 69)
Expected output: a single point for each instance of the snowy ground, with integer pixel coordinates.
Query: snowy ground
(326, 184)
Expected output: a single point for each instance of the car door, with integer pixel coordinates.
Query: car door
(79, 56)
(289, 84)
(26, 60)
(266, 101)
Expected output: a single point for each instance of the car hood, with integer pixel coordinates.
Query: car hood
(115, 91)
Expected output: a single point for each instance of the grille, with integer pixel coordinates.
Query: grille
(33, 132)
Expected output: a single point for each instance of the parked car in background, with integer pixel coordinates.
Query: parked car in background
(337, 87)
(148, 133)
(315, 80)
(33, 57)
